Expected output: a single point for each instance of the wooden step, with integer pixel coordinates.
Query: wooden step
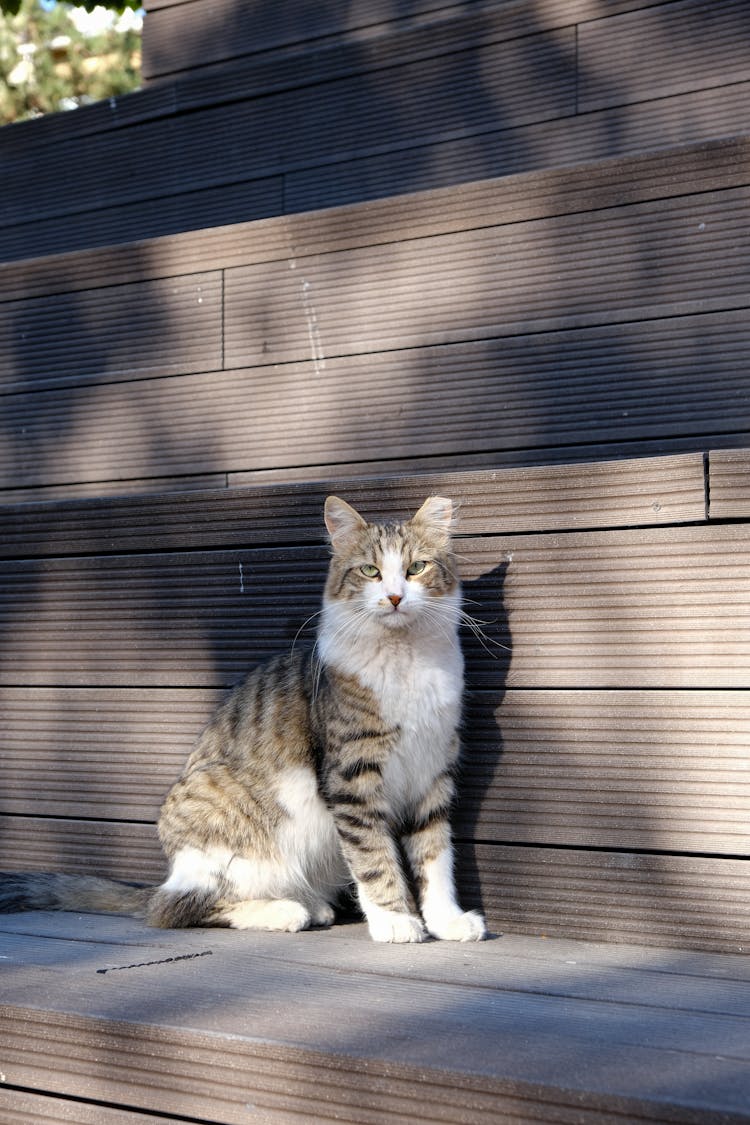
(607, 710)
(214, 1026)
(575, 314)
(372, 105)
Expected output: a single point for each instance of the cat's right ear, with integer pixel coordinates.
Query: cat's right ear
(342, 521)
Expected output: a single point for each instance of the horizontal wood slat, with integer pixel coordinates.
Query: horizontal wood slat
(663, 379)
(730, 484)
(660, 900)
(225, 31)
(620, 130)
(711, 166)
(24, 1108)
(119, 333)
(574, 271)
(654, 608)
(425, 99)
(605, 494)
(318, 122)
(662, 51)
(663, 900)
(638, 770)
(116, 849)
(361, 1082)
(644, 771)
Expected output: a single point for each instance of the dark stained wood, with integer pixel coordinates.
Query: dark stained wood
(655, 490)
(113, 334)
(662, 51)
(480, 90)
(655, 899)
(660, 771)
(712, 166)
(500, 398)
(660, 607)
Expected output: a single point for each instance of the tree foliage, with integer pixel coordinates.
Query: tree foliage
(13, 7)
(54, 56)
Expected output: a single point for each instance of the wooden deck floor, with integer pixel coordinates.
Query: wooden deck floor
(219, 1026)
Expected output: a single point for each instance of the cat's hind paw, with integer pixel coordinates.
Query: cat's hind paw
(322, 914)
(283, 914)
(463, 927)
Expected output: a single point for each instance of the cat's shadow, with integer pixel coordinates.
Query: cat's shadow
(488, 652)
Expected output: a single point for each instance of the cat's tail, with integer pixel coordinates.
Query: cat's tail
(36, 890)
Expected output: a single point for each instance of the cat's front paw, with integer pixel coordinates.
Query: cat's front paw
(388, 925)
(462, 927)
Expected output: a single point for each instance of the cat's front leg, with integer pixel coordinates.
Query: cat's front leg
(429, 851)
(373, 856)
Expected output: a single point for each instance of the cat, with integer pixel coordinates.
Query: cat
(322, 771)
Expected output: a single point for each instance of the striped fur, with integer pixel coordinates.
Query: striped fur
(326, 771)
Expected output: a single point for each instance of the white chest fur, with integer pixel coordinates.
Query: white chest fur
(418, 684)
(423, 699)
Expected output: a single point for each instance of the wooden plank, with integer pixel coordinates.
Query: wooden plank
(660, 607)
(117, 849)
(636, 770)
(164, 215)
(107, 754)
(576, 271)
(659, 900)
(662, 50)
(665, 379)
(709, 166)
(98, 489)
(225, 33)
(615, 131)
(599, 1045)
(19, 1107)
(119, 333)
(322, 120)
(664, 771)
(729, 480)
(620, 609)
(603, 494)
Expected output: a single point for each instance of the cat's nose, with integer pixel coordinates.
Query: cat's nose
(394, 599)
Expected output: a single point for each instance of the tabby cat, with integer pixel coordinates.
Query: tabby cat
(324, 771)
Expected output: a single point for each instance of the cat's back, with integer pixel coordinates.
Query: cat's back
(265, 718)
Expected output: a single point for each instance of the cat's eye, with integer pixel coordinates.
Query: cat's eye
(369, 571)
(415, 568)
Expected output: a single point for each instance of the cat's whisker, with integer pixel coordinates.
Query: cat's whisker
(475, 625)
(304, 625)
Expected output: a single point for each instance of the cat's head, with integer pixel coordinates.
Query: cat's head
(393, 574)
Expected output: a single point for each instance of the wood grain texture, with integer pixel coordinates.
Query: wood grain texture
(659, 490)
(613, 1038)
(114, 334)
(660, 900)
(665, 379)
(729, 482)
(710, 166)
(662, 50)
(663, 771)
(661, 607)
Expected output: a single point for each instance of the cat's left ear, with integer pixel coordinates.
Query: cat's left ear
(342, 521)
(437, 515)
